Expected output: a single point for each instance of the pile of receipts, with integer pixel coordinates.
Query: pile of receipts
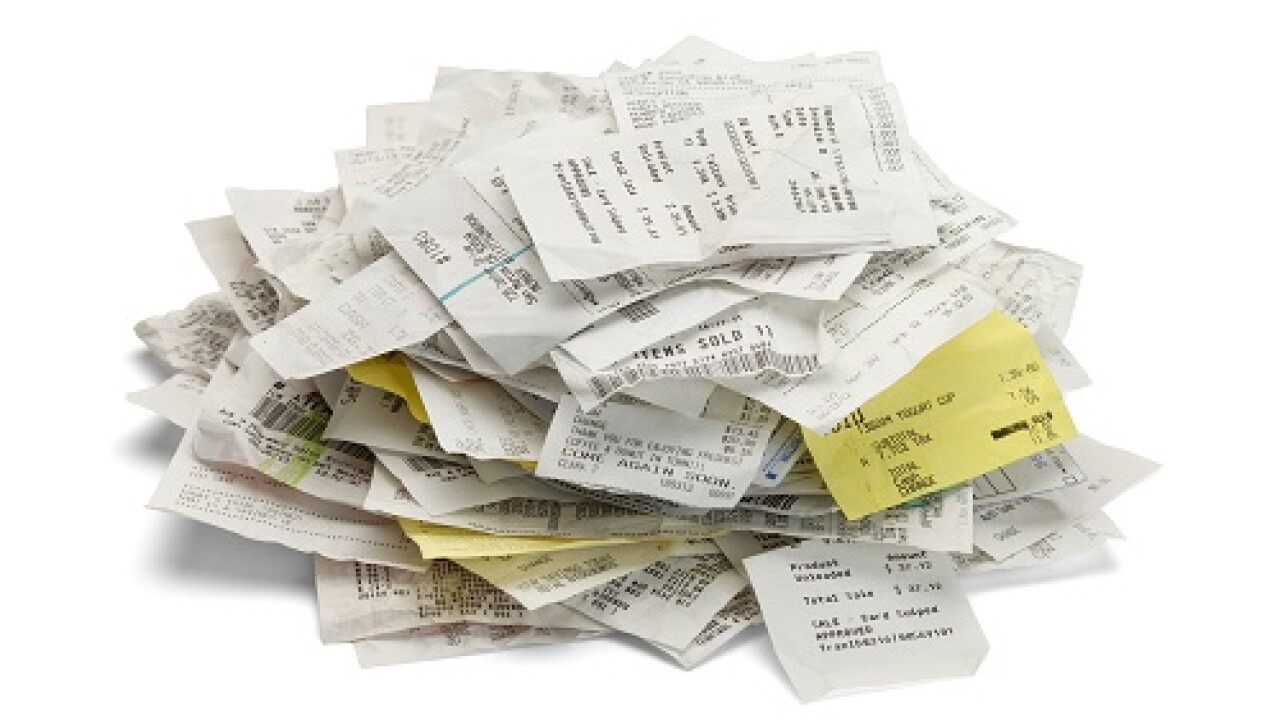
(670, 352)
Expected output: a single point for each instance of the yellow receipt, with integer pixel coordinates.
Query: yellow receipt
(390, 373)
(443, 542)
(982, 400)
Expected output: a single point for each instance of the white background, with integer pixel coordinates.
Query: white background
(1138, 139)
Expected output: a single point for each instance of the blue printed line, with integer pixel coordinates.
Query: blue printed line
(504, 261)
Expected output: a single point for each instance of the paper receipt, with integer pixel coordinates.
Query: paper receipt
(982, 400)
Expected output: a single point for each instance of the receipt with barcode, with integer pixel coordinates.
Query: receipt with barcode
(252, 419)
(770, 335)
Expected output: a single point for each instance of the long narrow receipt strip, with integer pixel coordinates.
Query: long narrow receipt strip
(982, 400)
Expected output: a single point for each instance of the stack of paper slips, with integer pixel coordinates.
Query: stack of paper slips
(668, 352)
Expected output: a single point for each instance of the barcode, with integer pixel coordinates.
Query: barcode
(427, 464)
(639, 311)
(300, 422)
(766, 359)
(776, 502)
(351, 449)
(604, 385)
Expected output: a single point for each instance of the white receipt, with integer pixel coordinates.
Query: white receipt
(657, 95)
(359, 600)
(739, 545)
(315, 265)
(269, 219)
(1082, 535)
(492, 95)
(177, 399)
(412, 123)
(786, 180)
(737, 615)
(1004, 528)
(261, 509)
(478, 418)
(540, 381)
(378, 175)
(965, 224)
(700, 462)
(388, 496)
(247, 288)
(1048, 470)
(1067, 372)
(668, 602)
(694, 50)
(1035, 287)
(686, 397)
(852, 616)
(193, 339)
(381, 308)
